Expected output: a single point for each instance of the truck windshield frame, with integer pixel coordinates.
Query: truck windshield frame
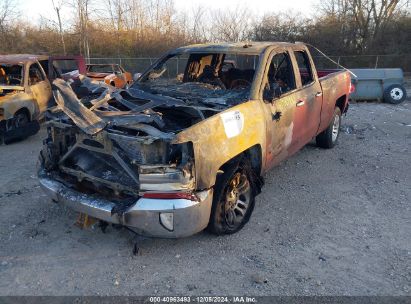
(213, 70)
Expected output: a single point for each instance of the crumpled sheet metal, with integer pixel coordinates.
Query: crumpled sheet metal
(122, 118)
(84, 118)
(93, 120)
(101, 101)
(93, 85)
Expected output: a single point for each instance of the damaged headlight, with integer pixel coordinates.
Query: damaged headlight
(165, 178)
(177, 176)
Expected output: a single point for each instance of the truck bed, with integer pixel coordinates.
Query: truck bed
(334, 84)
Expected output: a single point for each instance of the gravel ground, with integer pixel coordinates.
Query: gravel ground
(328, 222)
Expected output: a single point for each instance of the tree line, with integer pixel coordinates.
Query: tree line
(135, 28)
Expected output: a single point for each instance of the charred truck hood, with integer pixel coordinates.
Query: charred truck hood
(114, 155)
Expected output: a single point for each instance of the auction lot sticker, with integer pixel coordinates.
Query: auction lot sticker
(233, 122)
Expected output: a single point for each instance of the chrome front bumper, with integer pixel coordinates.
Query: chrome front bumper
(143, 216)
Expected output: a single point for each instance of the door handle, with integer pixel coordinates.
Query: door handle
(318, 94)
(300, 103)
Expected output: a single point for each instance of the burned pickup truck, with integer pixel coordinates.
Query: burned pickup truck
(186, 147)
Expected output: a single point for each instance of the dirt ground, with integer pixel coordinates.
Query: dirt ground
(328, 222)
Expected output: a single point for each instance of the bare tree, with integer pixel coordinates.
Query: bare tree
(279, 27)
(8, 12)
(231, 25)
(132, 28)
(82, 13)
(57, 8)
(364, 18)
(199, 21)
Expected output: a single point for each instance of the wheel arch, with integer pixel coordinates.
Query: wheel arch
(341, 102)
(25, 111)
(254, 156)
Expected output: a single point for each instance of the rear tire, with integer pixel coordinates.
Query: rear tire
(395, 94)
(328, 138)
(233, 199)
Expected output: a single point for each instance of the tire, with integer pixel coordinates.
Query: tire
(328, 138)
(395, 94)
(233, 199)
(22, 119)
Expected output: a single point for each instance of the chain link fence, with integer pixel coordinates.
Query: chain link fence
(139, 64)
(366, 61)
(132, 65)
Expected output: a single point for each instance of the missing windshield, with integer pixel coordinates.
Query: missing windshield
(212, 78)
(11, 75)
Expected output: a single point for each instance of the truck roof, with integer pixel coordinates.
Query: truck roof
(237, 47)
(21, 58)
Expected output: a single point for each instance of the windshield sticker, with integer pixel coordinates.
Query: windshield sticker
(233, 123)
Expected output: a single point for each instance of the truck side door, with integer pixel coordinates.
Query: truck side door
(308, 100)
(279, 89)
(39, 86)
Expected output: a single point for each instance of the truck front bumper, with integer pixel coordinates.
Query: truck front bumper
(188, 216)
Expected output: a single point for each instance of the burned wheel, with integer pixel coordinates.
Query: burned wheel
(233, 200)
(237, 199)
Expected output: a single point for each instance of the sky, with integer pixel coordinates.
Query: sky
(32, 9)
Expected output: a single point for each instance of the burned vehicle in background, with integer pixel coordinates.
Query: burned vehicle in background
(24, 95)
(111, 74)
(25, 90)
(186, 147)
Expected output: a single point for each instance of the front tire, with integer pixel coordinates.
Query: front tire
(19, 121)
(233, 199)
(328, 138)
